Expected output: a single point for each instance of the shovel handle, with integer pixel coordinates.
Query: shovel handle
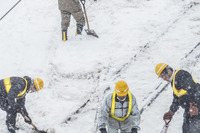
(35, 128)
(83, 2)
(25, 117)
(167, 122)
(85, 15)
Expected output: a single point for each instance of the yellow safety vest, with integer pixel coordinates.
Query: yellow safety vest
(180, 92)
(113, 107)
(8, 85)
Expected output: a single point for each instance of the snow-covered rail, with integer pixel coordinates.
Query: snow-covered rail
(160, 88)
(157, 90)
(151, 43)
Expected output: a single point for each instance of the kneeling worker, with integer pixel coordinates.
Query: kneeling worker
(119, 111)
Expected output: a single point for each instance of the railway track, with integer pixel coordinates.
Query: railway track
(160, 87)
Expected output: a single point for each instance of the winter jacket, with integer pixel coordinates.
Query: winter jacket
(121, 109)
(184, 80)
(18, 85)
(68, 8)
(68, 4)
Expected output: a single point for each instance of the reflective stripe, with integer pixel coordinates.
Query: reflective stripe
(194, 80)
(8, 85)
(121, 91)
(113, 107)
(64, 36)
(180, 92)
(76, 30)
(160, 68)
(37, 85)
(23, 93)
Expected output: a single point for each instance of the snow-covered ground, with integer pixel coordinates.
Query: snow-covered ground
(135, 35)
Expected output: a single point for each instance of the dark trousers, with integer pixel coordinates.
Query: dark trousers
(11, 115)
(191, 124)
(3, 103)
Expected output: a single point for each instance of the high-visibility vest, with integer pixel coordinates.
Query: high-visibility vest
(113, 107)
(180, 92)
(8, 85)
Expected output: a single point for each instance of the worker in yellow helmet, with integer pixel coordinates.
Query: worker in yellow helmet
(12, 97)
(186, 93)
(119, 111)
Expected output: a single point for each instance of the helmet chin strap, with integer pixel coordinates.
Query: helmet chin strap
(171, 76)
(121, 99)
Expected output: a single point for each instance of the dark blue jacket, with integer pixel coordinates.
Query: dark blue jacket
(184, 80)
(18, 84)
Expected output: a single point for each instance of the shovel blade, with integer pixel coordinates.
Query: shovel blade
(91, 32)
(40, 131)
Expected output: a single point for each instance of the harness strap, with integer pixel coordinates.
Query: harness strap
(180, 92)
(8, 85)
(113, 107)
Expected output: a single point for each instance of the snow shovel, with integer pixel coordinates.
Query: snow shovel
(35, 128)
(165, 127)
(88, 31)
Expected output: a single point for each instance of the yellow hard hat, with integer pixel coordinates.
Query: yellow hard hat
(121, 88)
(159, 68)
(38, 83)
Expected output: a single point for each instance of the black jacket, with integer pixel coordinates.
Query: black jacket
(184, 80)
(18, 84)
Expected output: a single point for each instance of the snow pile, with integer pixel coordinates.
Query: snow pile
(135, 35)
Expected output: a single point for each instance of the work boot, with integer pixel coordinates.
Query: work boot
(79, 29)
(64, 35)
(16, 127)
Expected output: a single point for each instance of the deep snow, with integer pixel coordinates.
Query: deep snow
(83, 67)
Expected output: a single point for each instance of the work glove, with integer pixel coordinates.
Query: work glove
(27, 119)
(19, 109)
(134, 130)
(193, 110)
(168, 115)
(103, 130)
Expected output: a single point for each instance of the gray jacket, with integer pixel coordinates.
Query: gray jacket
(121, 109)
(70, 5)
